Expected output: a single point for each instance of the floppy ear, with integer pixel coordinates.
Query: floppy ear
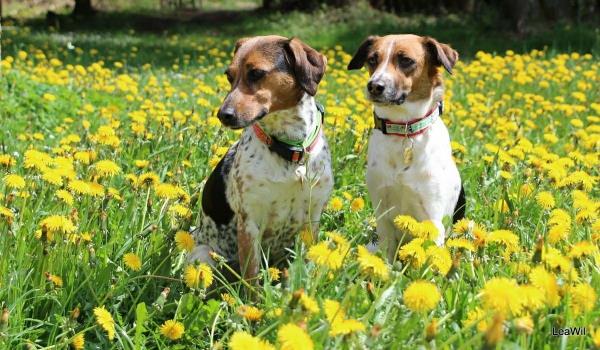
(358, 61)
(239, 43)
(307, 64)
(441, 54)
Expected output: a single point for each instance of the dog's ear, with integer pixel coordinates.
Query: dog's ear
(307, 64)
(441, 54)
(238, 44)
(358, 61)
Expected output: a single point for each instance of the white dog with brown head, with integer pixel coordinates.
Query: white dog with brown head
(410, 166)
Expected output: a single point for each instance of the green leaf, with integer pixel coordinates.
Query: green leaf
(141, 315)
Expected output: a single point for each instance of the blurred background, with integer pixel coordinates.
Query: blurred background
(469, 25)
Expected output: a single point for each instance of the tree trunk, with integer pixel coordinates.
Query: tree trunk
(83, 8)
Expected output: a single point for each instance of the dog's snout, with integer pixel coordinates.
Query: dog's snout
(375, 88)
(226, 115)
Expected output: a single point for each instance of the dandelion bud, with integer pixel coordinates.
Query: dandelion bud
(537, 253)
(375, 330)
(431, 330)
(75, 313)
(371, 290)
(524, 325)
(495, 332)
(296, 297)
(4, 318)
(453, 272)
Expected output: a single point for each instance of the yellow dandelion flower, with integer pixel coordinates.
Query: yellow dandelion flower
(339, 323)
(546, 282)
(274, 273)
(582, 249)
(226, 297)
(180, 211)
(52, 177)
(421, 296)
(321, 254)
(251, 313)
(79, 187)
(148, 179)
(309, 304)
(371, 264)
(242, 340)
(105, 320)
(526, 189)
(357, 204)
(198, 277)
(166, 191)
(14, 181)
(477, 316)
(413, 252)
(501, 295)
(533, 298)
(439, 258)
(545, 200)
(78, 341)
(583, 298)
(6, 213)
(557, 233)
(6, 160)
(596, 338)
(54, 279)
(65, 196)
(58, 223)
(185, 241)
(426, 230)
(405, 223)
(292, 337)
(172, 329)
(106, 168)
(462, 226)
(141, 164)
(460, 243)
(132, 261)
(336, 204)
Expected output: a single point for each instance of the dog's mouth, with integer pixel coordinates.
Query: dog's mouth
(386, 101)
(238, 123)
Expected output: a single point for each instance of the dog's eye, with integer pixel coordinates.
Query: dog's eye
(405, 62)
(256, 74)
(372, 60)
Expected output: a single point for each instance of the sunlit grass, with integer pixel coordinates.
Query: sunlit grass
(103, 156)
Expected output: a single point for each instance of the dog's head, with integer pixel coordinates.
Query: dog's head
(268, 74)
(402, 67)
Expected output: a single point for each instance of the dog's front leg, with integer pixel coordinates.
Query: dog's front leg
(386, 236)
(248, 249)
(442, 232)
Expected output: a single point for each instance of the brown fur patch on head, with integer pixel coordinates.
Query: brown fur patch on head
(405, 63)
(267, 74)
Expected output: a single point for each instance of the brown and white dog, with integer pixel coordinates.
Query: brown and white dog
(275, 181)
(410, 168)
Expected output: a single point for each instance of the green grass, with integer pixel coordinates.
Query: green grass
(489, 102)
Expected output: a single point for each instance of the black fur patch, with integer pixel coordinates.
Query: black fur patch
(461, 206)
(214, 199)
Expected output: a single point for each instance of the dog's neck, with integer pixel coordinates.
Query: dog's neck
(295, 123)
(410, 110)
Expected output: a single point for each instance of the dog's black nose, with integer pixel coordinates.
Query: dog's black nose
(226, 115)
(375, 88)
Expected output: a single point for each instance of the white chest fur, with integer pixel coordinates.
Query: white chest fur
(426, 187)
(273, 198)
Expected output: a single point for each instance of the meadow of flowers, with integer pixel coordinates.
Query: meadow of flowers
(102, 157)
